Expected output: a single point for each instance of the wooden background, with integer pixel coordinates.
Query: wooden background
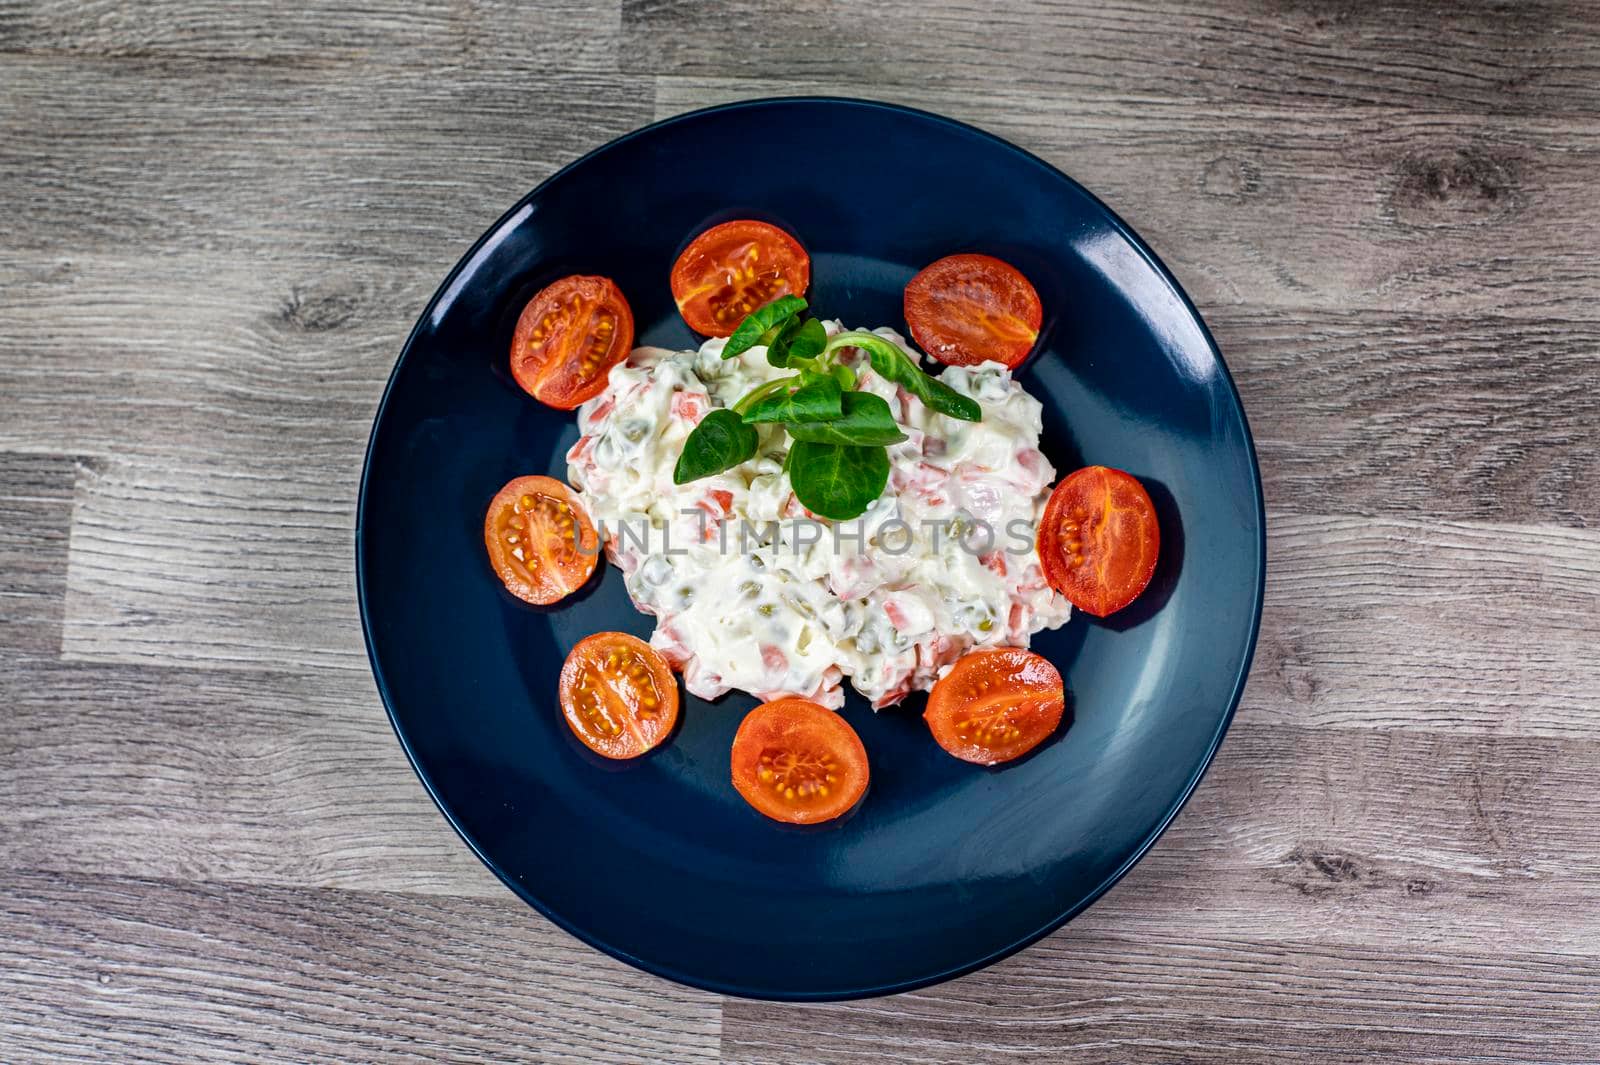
(219, 220)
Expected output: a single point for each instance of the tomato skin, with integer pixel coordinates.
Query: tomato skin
(732, 269)
(567, 339)
(618, 695)
(799, 763)
(967, 309)
(995, 704)
(540, 517)
(1099, 539)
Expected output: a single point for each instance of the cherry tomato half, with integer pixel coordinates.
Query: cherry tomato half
(1099, 539)
(967, 309)
(618, 695)
(798, 762)
(734, 268)
(995, 705)
(569, 336)
(540, 541)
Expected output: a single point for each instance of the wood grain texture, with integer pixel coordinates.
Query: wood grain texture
(169, 566)
(1305, 206)
(1101, 995)
(1342, 837)
(1436, 626)
(221, 220)
(35, 516)
(1478, 418)
(244, 420)
(271, 778)
(200, 353)
(1479, 55)
(305, 160)
(157, 971)
(576, 35)
(327, 32)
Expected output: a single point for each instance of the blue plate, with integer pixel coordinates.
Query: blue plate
(944, 867)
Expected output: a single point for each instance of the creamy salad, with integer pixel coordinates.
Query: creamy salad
(751, 592)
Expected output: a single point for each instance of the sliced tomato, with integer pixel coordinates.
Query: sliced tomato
(1099, 539)
(995, 705)
(540, 541)
(798, 762)
(967, 309)
(618, 695)
(569, 336)
(734, 268)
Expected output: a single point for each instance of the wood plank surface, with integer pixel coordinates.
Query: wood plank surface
(324, 163)
(220, 220)
(153, 970)
(35, 519)
(461, 36)
(1110, 997)
(218, 775)
(1440, 626)
(1300, 204)
(1483, 419)
(1539, 57)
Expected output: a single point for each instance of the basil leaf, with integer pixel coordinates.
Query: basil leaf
(866, 420)
(759, 321)
(835, 480)
(817, 400)
(720, 442)
(895, 365)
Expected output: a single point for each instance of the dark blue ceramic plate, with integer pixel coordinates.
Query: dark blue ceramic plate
(944, 867)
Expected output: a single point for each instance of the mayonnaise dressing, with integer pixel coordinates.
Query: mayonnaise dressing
(751, 593)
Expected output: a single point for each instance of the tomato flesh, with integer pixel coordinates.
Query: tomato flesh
(799, 763)
(732, 269)
(1099, 539)
(995, 705)
(567, 339)
(540, 541)
(967, 309)
(618, 696)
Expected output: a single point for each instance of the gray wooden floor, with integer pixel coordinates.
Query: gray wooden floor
(217, 223)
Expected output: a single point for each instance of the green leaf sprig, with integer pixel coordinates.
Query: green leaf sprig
(837, 462)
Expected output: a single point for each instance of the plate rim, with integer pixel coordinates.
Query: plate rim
(447, 287)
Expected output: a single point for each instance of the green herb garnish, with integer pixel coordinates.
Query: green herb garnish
(866, 420)
(894, 365)
(762, 324)
(837, 462)
(837, 481)
(720, 442)
(797, 342)
(817, 399)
